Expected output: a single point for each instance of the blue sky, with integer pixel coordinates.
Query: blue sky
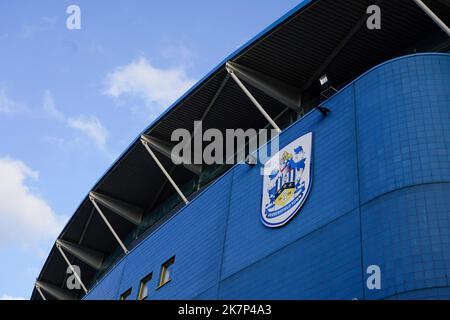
(72, 100)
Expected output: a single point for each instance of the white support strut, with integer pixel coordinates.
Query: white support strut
(124, 248)
(433, 16)
(40, 292)
(252, 98)
(77, 276)
(164, 171)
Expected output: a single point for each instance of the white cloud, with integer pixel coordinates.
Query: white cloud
(25, 218)
(8, 297)
(9, 105)
(91, 127)
(157, 87)
(50, 108)
(44, 25)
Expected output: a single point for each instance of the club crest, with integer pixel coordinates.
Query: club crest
(286, 182)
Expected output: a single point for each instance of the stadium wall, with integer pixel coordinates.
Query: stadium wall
(380, 196)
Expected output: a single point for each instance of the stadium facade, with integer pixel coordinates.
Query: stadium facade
(379, 191)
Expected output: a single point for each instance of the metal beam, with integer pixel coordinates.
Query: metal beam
(87, 255)
(166, 149)
(265, 127)
(40, 292)
(56, 292)
(126, 210)
(164, 171)
(285, 93)
(212, 102)
(216, 96)
(161, 190)
(198, 154)
(252, 98)
(100, 212)
(77, 276)
(83, 233)
(433, 16)
(336, 50)
(445, 3)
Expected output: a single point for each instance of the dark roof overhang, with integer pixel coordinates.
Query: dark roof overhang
(316, 37)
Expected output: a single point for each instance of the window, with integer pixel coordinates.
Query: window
(143, 288)
(166, 272)
(126, 295)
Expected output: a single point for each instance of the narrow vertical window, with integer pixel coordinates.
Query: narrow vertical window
(144, 287)
(126, 295)
(166, 272)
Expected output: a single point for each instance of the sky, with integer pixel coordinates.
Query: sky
(72, 100)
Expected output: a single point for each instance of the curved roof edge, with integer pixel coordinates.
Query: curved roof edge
(197, 85)
(418, 33)
(270, 28)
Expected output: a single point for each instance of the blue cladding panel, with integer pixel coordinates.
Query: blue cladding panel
(195, 237)
(109, 289)
(325, 264)
(403, 116)
(407, 233)
(403, 124)
(380, 195)
(210, 294)
(334, 188)
(425, 294)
